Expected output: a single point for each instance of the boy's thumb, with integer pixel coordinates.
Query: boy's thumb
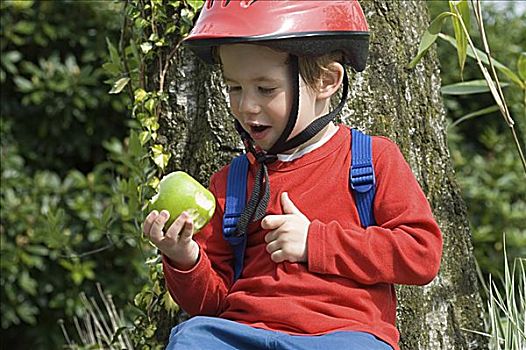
(287, 205)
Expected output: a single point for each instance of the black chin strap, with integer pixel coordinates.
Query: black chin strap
(317, 125)
(257, 204)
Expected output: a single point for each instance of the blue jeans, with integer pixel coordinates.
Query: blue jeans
(213, 333)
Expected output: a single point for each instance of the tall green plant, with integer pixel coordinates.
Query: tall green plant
(506, 307)
(460, 16)
(487, 168)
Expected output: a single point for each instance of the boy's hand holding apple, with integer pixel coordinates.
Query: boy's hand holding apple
(176, 243)
(184, 205)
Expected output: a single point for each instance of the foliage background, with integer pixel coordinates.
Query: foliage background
(486, 162)
(73, 158)
(66, 215)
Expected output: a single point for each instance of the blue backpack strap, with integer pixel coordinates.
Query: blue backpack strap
(236, 192)
(361, 177)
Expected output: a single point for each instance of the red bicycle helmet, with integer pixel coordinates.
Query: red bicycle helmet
(302, 28)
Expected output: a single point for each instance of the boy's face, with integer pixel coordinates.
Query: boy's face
(260, 92)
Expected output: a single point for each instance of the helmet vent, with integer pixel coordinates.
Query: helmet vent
(225, 3)
(209, 4)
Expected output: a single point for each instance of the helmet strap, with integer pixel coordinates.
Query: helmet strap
(317, 125)
(280, 145)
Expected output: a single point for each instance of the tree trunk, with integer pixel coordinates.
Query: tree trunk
(386, 99)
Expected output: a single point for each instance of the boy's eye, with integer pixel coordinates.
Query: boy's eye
(265, 90)
(230, 88)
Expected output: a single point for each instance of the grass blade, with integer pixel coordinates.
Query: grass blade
(502, 68)
(480, 112)
(429, 37)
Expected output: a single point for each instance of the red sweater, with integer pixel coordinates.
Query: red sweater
(347, 283)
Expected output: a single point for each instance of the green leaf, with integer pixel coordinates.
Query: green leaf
(461, 9)
(174, 3)
(468, 87)
(478, 113)
(12, 56)
(111, 68)
(139, 95)
(429, 37)
(38, 250)
(169, 303)
(27, 312)
(134, 50)
(106, 216)
(24, 27)
(27, 283)
(114, 146)
(20, 5)
(119, 85)
(118, 332)
(134, 144)
(159, 157)
(114, 53)
(483, 57)
(146, 47)
(195, 4)
(150, 105)
(521, 66)
(23, 84)
(8, 60)
(144, 137)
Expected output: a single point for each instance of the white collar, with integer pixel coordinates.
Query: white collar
(308, 149)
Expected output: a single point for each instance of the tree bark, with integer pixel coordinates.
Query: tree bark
(386, 99)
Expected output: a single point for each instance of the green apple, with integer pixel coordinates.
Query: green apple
(179, 192)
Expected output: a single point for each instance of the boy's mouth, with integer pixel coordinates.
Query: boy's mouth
(258, 132)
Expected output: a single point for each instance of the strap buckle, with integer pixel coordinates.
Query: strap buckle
(362, 177)
(265, 158)
(230, 223)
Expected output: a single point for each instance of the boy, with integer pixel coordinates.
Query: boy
(313, 277)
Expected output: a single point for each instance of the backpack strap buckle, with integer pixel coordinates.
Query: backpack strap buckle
(362, 177)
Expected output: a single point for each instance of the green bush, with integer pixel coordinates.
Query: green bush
(52, 81)
(69, 215)
(492, 181)
(59, 235)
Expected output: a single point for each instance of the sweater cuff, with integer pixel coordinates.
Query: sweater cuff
(179, 274)
(316, 247)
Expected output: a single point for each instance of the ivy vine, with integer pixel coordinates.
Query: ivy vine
(151, 35)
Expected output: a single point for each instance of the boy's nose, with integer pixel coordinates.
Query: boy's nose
(248, 104)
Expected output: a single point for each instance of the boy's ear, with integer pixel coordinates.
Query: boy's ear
(330, 81)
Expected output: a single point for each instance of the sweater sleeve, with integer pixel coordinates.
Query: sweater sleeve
(404, 247)
(201, 290)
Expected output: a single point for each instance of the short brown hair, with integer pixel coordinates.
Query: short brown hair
(312, 68)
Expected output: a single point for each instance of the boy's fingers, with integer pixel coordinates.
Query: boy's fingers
(278, 256)
(149, 221)
(273, 246)
(271, 222)
(156, 231)
(271, 236)
(175, 229)
(188, 231)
